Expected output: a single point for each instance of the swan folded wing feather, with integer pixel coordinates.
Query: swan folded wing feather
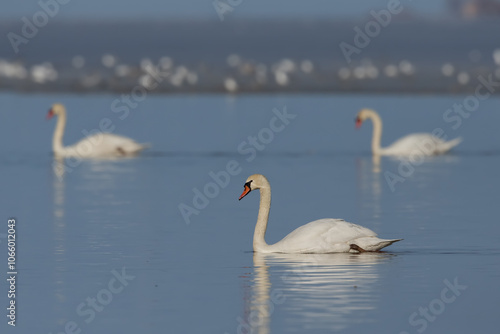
(373, 244)
(424, 143)
(324, 236)
(105, 144)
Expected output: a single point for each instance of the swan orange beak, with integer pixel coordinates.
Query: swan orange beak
(50, 114)
(245, 192)
(358, 122)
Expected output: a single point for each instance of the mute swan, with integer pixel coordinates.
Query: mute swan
(95, 146)
(418, 143)
(320, 236)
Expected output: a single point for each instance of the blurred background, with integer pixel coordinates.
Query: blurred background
(248, 46)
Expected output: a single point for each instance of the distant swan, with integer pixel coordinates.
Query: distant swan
(100, 145)
(418, 143)
(320, 236)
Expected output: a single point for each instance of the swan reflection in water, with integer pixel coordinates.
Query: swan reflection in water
(94, 185)
(313, 291)
(59, 241)
(369, 188)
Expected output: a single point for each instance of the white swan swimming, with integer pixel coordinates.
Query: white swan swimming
(100, 145)
(320, 236)
(418, 143)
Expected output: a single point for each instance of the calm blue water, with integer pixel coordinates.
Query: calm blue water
(104, 248)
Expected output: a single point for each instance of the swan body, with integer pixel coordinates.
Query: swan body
(421, 143)
(425, 144)
(100, 145)
(319, 236)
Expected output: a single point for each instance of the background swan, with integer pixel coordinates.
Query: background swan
(320, 236)
(98, 145)
(417, 143)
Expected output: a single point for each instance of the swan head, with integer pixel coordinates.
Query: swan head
(56, 109)
(255, 181)
(362, 115)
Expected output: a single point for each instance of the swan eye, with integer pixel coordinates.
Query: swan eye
(248, 184)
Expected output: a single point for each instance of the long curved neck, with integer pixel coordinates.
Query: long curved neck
(377, 132)
(259, 243)
(57, 145)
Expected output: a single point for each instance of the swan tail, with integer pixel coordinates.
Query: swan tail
(385, 243)
(446, 146)
(371, 245)
(141, 146)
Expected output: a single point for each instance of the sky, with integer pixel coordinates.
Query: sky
(12, 10)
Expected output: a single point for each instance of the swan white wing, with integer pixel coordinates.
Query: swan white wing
(105, 144)
(323, 236)
(420, 143)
